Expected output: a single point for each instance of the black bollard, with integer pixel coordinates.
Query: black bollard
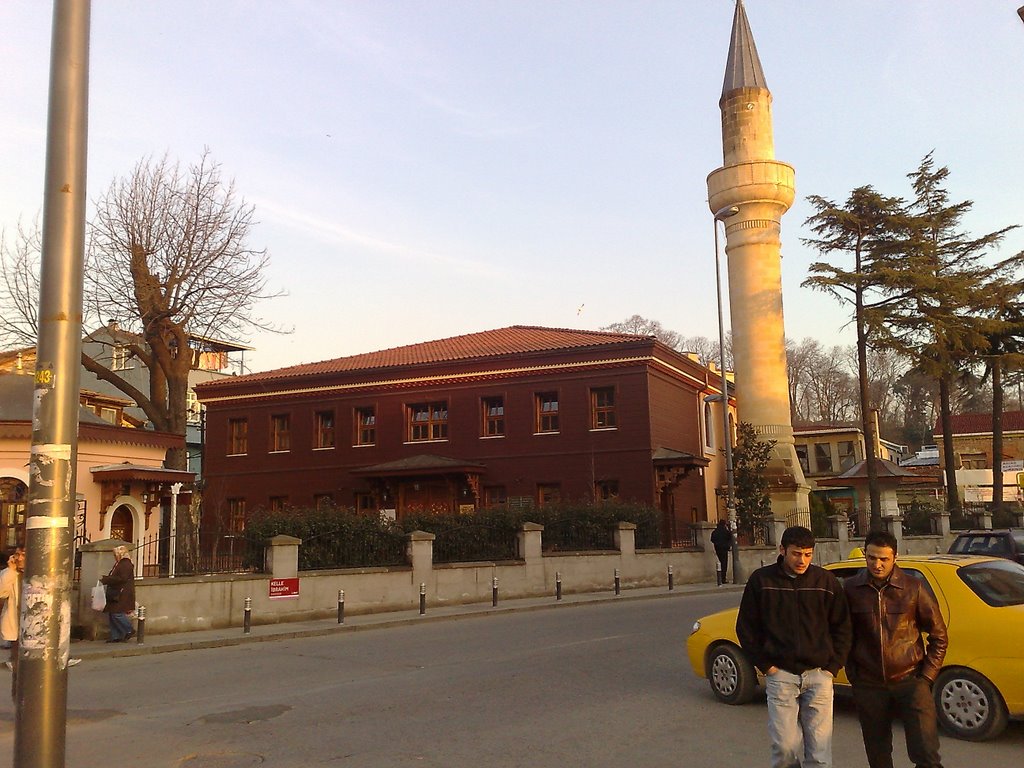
(618, 586)
(140, 633)
(423, 598)
(247, 620)
(718, 572)
(494, 592)
(341, 606)
(558, 585)
(671, 579)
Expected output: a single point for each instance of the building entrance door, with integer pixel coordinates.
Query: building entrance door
(425, 497)
(121, 524)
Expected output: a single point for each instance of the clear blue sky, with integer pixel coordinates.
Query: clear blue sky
(425, 169)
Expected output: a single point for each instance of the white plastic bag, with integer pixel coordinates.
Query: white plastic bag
(99, 597)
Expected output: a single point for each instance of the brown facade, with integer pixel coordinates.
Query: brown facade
(528, 416)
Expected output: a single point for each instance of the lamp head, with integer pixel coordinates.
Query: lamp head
(727, 212)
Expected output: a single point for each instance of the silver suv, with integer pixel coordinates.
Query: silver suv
(1002, 542)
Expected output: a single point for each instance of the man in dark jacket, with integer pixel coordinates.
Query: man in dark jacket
(890, 666)
(721, 540)
(794, 625)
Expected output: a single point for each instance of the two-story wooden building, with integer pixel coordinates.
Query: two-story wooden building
(519, 415)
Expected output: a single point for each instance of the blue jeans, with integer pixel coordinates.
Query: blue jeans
(120, 625)
(800, 718)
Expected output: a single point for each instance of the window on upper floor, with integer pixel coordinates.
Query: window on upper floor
(323, 429)
(238, 437)
(709, 427)
(847, 454)
(493, 413)
(602, 408)
(193, 409)
(801, 454)
(280, 433)
(365, 422)
(548, 493)
(822, 457)
(427, 421)
(120, 358)
(546, 412)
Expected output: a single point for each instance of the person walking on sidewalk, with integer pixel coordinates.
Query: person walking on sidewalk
(891, 666)
(10, 619)
(794, 624)
(721, 539)
(120, 583)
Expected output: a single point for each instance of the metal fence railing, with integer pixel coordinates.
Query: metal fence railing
(369, 549)
(475, 543)
(755, 533)
(577, 535)
(162, 556)
(685, 538)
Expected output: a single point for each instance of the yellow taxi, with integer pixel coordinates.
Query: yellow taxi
(981, 684)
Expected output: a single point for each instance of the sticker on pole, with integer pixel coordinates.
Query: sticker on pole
(280, 588)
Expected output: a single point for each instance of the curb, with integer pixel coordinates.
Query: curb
(367, 622)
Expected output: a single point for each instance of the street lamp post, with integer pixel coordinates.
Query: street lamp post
(730, 497)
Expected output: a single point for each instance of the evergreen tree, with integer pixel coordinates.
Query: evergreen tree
(750, 460)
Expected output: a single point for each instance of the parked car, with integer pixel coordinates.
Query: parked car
(1002, 542)
(981, 684)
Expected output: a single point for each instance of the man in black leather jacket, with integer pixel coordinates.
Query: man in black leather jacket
(890, 666)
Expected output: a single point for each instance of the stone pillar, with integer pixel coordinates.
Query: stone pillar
(624, 537)
(703, 537)
(529, 542)
(940, 523)
(97, 560)
(1018, 518)
(894, 525)
(281, 557)
(839, 529)
(420, 551)
(983, 519)
(779, 526)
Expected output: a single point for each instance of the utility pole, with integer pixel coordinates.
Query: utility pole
(45, 634)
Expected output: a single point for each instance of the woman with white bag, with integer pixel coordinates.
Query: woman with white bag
(120, 593)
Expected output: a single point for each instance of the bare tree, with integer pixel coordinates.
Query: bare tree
(641, 326)
(168, 259)
(19, 286)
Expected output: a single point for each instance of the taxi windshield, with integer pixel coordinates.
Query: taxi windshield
(998, 583)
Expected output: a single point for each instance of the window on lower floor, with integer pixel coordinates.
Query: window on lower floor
(366, 426)
(238, 437)
(323, 429)
(323, 500)
(280, 429)
(236, 515)
(602, 408)
(428, 421)
(495, 496)
(278, 503)
(365, 502)
(546, 407)
(606, 490)
(823, 457)
(548, 493)
(493, 416)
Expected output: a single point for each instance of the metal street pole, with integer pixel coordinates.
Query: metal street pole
(730, 498)
(45, 636)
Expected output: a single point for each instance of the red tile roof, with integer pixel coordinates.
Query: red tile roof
(981, 423)
(514, 340)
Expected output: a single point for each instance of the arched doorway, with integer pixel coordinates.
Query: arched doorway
(13, 498)
(122, 525)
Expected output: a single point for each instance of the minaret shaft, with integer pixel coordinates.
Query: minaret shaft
(763, 190)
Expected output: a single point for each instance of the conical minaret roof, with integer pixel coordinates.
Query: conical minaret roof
(743, 69)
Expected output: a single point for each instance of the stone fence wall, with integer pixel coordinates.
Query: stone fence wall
(209, 602)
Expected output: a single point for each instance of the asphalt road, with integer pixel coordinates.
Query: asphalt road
(602, 686)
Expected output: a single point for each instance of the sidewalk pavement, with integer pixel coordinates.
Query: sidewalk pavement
(215, 638)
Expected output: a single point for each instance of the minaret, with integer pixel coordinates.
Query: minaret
(762, 189)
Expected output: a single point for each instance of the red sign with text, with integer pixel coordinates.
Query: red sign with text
(284, 588)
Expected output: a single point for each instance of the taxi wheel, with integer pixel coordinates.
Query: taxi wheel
(968, 705)
(731, 675)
